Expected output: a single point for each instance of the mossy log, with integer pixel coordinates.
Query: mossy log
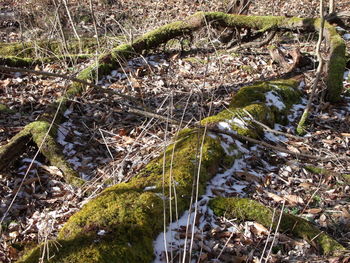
(13, 61)
(152, 39)
(39, 133)
(122, 222)
(44, 136)
(247, 209)
(49, 48)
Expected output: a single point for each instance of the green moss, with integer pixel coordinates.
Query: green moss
(194, 60)
(247, 209)
(123, 52)
(336, 63)
(335, 69)
(346, 177)
(131, 215)
(301, 128)
(48, 147)
(247, 68)
(13, 61)
(252, 99)
(261, 23)
(161, 35)
(5, 109)
(49, 48)
(286, 89)
(315, 170)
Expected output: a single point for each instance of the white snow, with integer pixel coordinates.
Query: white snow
(346, 74)
(101, 232)
(224, 126)
(147, 188)
(273, 99)
(346, 36)
(239, 122)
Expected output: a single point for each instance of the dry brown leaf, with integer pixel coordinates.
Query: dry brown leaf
(306, 185)
(247, 176)
(293, 149)
(236, 259)
(13, 252)
(294, 199)
(128, 140)
(259, 229)
(274, 197)
(314, 210)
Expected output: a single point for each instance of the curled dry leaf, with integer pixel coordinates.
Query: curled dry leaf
(293, 199)
(274, 197)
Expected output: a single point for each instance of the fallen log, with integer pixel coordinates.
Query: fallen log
(122, 222)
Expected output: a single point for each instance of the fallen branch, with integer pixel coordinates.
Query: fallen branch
(301, 125)
(256, 44)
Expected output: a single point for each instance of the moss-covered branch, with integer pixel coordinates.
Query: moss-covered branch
(247, 209)
(161, 35)
(130, 215)
(49, 48)
(13, 61)
(45, 138)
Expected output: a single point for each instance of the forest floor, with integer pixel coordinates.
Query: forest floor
(108, 144)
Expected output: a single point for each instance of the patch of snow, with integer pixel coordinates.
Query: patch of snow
(28, 160)
(147, 188)
(224, 126)
(297, 110)
(18, 74)
(240, 147)
(275, 138)
(282, 154)
(101, 232)
(75, 162)
(84, 176)
(340, 28)
(62, 132)
(68, 112)
(346, 36)
(346, 74)
(273, 99)
(239, 122)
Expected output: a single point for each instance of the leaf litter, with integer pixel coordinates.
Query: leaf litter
(106, 144)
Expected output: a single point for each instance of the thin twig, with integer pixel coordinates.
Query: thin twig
(301, 124)
(277, 227)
